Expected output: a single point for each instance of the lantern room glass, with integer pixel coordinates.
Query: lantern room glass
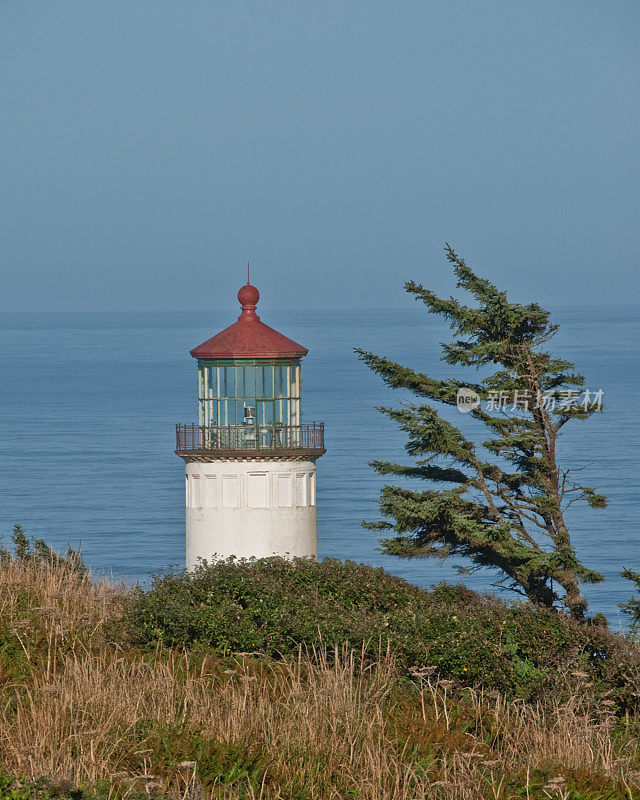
(259, 392)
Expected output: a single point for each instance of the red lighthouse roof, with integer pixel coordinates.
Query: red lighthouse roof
(248, 337)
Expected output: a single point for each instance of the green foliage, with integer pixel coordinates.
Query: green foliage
(26, 549)
(632, 606)
(273, 607)
(32, 636)
(499, 502)
(18, 788)
(214, 761)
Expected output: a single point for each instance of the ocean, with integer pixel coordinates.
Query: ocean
(89, 402)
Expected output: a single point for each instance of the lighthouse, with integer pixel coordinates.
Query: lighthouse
(250, 483)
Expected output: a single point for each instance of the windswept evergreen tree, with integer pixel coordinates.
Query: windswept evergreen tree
(500, 501)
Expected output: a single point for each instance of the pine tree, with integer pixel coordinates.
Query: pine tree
(499, 502)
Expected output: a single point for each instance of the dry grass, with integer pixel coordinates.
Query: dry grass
(77, 708)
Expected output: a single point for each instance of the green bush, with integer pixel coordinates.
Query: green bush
(632, 607)
(274, 606)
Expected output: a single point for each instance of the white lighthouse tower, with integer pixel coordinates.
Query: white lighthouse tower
(250, 461)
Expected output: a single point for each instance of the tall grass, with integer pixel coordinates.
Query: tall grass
(79, 705)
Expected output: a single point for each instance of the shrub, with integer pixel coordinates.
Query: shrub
(632, 607)
(273, 606)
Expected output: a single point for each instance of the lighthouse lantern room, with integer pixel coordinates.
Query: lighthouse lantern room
(250, 460)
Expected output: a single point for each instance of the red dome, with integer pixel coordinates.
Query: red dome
(248, 337)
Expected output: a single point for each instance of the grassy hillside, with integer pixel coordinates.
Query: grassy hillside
(274, 680)
(273, 606)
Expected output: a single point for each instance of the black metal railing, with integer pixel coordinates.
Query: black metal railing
(204, 439)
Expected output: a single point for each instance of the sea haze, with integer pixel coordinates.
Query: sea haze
(89, 404)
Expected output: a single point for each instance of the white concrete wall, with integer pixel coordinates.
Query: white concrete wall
(250, 508)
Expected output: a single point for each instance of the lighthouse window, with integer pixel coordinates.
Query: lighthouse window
(265, 413)
(280, 374)
(227, 381)
(245, 382)
(260, 381)
(264, 381)
(240, 387)
(207, 382)
(295, 381)
(294, 406)
(249, 392)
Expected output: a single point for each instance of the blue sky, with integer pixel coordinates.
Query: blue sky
(150, 148)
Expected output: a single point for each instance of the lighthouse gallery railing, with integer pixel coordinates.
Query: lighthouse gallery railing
(205, 439)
